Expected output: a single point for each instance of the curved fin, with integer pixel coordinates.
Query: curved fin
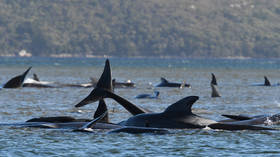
(266, 81)
(104, 83)
(214, 80)
(94, 121)
(17, 81)
(215, 92)
(102, 107)
(182, 106)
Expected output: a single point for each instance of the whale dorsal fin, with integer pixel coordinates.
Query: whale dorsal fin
(104, 83)
(214, 80)
(182, 106)
(17, 81)
(266, 81)
(102, 107)
(35, 77)
(94, 121)
(215, 92)
(163, 80)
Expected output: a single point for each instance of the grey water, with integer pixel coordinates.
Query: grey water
(234, 76)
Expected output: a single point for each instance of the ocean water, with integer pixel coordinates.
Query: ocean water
(235, 78)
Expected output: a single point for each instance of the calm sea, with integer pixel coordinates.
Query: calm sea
(235, 78)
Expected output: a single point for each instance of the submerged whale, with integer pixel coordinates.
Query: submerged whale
(148, 96)
(126, 84)
(102, 108)
(177, 116)
(35, 82)
(16, 81)
(165, 83)
(254, 120)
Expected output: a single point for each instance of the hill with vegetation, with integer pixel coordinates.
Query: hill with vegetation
(181, 28)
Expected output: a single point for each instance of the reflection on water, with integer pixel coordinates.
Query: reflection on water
(234, 79)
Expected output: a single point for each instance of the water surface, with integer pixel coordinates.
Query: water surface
(234, 84)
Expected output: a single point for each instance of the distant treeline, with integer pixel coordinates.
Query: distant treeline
(187, 28)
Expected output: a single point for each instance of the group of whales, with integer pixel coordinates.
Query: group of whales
(176, 116)
(21, 81)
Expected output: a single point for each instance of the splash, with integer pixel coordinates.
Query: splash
(272, 120)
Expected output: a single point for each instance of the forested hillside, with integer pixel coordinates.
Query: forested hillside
(187, 28)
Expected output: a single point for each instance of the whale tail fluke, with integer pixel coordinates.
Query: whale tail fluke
(17, 81)
(104, 84)
(104, 89)
(215, 92)
(266, 81)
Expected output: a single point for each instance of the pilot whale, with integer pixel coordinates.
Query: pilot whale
(102, 108)
(254, 120)
(266, 83)
(100, 121)
(16, 81)
(66, 122)
(177, 116)
(165, 83)
(35, 82)
(126, 84)
(148, 96)
(89, 127)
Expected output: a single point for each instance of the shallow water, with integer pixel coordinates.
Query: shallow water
(235, 78)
